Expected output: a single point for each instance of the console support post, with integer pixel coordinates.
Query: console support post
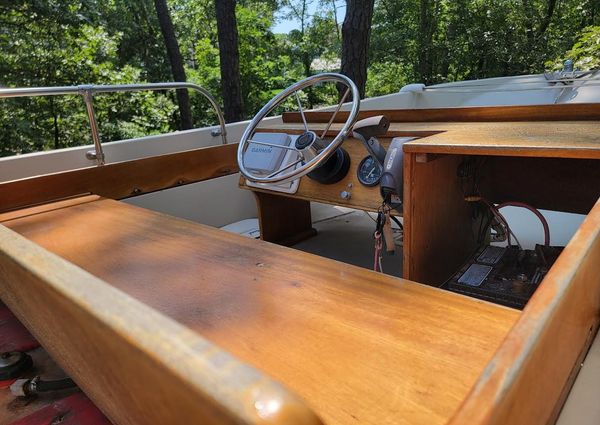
(283, 220)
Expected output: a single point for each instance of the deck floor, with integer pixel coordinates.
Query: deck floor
(346, 235)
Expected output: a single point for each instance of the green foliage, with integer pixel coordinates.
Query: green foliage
(450, 40)
(54, 44)
(386, 77)
(69, 42)
(585, 53)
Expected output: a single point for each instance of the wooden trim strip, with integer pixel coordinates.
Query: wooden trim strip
(528, 151)
(558, 112)
(122, 179)
(137, 365)
(42, 208)
(332, 133)
(527, 378)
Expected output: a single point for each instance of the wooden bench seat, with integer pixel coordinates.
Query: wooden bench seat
(357, 346)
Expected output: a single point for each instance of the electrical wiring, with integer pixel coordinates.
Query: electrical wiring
(496, 213)
(501, 218)
(394, 219)
(534, 211)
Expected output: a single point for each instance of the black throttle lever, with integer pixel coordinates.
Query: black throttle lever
(366, 131)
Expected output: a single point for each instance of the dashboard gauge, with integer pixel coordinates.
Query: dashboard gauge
(369, 171)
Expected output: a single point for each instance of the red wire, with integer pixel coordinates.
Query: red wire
(533, 210)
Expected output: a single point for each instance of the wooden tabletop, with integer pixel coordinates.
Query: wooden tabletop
(358, 346)
(564, 139)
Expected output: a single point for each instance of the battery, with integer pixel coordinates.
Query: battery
(504, 275)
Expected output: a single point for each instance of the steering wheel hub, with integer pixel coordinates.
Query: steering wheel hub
(305, 140)
(309, 145)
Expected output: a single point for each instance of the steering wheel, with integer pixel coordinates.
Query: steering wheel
(311, 149)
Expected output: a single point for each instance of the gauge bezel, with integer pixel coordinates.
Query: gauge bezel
(360, 165)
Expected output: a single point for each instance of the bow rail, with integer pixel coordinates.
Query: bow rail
(87, 91)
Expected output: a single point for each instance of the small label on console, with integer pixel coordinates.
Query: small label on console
(491, 255)
(475, 275)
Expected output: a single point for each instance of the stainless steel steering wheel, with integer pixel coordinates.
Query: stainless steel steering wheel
(311, 150)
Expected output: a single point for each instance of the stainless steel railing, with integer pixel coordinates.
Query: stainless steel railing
(87, 91)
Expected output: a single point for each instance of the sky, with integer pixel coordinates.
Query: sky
(285, 25)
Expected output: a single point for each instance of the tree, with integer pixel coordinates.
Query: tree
(356, 31)
(299, 10)
(70, 42)
(585, 53)
(426, 31)
(231, 84)
(168, 32)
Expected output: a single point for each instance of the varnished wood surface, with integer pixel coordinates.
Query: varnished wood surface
(438, 235)
(555, 112)
(557, 184)
(358, 346)
(362, 197)
(563, 139)
(122, 179)
(283, 220)
(527, 380)
(576, 139)
(137, 365)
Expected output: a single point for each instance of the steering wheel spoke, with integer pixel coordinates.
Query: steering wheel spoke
(313, 151)
(287, 167)
(301, 111)
(337, 109)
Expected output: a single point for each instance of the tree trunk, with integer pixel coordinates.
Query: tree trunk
(231, 84)
(547, 18)
(168, 32)
(356, 31)
(335, 19)
(425, 40)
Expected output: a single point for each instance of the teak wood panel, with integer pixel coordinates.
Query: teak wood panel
(538, 139)
(122, 179)
(359, 346)
(558, 112)
(362, 197)
(526, 381)
(139, 366)
(438, 234)
(563, 139)
(283, 220)
(558, 184)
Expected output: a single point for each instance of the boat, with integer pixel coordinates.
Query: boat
(431, 256)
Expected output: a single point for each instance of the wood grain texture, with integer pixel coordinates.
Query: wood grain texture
(358, 346)
(557, 184)
(526, 380)
(438, 235)
(362, 197)
(538, 139)
(563, 139)
(283, 220)
(137, 365)
(122, 179)
(558, 112)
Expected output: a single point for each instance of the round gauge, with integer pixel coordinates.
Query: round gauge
(369, 171)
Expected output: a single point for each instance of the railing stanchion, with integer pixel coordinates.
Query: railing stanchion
(88, 98)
